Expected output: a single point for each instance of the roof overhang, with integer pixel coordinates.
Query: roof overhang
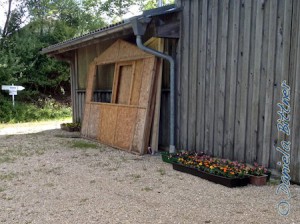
(119, 30)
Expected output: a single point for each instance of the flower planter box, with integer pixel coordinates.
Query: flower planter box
(167, 159)
(225, 181)
(258, 180)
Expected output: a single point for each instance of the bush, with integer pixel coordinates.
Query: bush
(25, 112)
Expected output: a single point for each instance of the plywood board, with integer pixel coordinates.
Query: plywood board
(85, 122)
(137, 143)
(90, 82)
(125, 125)
(108, 119)
(93, 126)
(146, 81)
(121, 124)
(124, 84)
(136, 89)
(121, 51)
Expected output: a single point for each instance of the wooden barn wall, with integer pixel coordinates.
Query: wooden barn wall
(232, 57)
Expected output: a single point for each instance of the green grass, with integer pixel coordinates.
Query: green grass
(10, 155)
(147, 189)
(7, 176)
(26, 112)
(136, 176)
(6, 159)
(162, 171)
(83, 145)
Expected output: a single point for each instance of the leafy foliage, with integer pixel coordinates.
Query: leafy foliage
(30, 112)
(36, 24)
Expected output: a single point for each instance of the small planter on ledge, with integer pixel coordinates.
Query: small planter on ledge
(225, 181)
(71, 127)
(258, 180)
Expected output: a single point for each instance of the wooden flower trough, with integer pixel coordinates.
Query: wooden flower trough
(225, 181)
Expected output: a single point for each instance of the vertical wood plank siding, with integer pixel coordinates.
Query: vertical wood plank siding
(234, 54)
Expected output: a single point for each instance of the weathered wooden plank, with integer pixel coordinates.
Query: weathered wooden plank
(137, 144)
(269, 84)
(210, 79)
(125, 78)
(146, 87)
(85, 121)
(232, 61)
(294, 79)
(93, 121)
(250, 78)
(150, 108)
(263, 80)
(156, 116)
(240, 134)
(90, 82)
(184, 74)
(201, 72)
(220, 112)
(252, 147)
(135, 96)
(276, 136)
(192, 76)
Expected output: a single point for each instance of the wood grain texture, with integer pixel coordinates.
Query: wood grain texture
(108, 122)
(230, 106)
(294, 82)
(154, 138)
(125, 125)
(267, 145)
(244, 50)
(201, 75)
(146, 86)
(135, 96)
(192, 76)
(184, 75)
(221, 83)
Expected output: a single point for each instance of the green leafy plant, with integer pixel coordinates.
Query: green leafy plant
(257, 170)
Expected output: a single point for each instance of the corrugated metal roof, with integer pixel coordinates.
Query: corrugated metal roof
(125, 24)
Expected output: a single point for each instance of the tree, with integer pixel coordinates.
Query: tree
(150, 4)
(116, 9)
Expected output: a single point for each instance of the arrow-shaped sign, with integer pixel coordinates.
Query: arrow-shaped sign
(13, 90)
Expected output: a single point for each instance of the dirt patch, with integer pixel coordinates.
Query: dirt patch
(55, 177)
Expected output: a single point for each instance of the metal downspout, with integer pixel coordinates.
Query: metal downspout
(172, 87)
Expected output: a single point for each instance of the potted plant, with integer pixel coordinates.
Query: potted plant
(257, 175)
(70, 127)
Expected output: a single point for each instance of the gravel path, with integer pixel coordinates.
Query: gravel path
(53, 176)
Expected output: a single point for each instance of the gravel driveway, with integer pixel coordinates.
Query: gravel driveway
(53, 176)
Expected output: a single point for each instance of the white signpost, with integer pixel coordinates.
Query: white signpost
(13, 91)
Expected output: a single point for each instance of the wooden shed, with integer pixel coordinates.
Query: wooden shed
(231, 58)
(125, 121)
(162, 34)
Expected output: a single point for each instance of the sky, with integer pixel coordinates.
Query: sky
(3, 8)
